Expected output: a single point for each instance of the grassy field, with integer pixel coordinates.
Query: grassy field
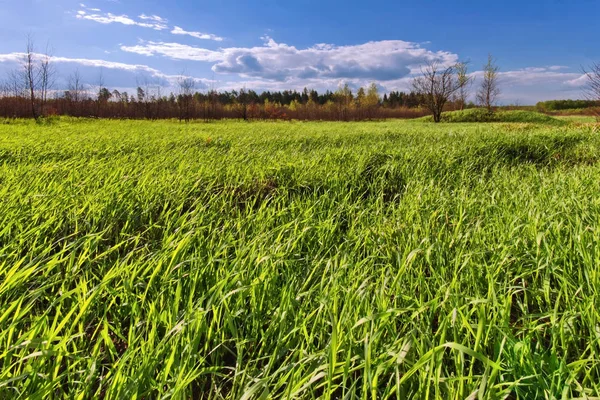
(236, 260)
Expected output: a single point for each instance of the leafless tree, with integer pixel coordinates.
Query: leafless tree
(76, 92)
(47, 74)
(592, 87)
(101, 92)
(488, 92)
(76, 86)
(186, 96)
(464, 81)
(4, 89)
(15, 84)
(31, 74)
(152, 98)
(436, 86)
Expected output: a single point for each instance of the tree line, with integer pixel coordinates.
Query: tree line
(29, 92)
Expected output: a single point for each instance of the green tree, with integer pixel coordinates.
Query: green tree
(104, 95)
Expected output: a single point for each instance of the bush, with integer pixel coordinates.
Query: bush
(482, 115)
(557, 105)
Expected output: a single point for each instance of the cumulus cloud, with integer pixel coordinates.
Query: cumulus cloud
(279, 67)
(198, 35)
(392, 63)
(95, 14)
(383, 60)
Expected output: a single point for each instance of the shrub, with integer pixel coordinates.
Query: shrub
(482, 115)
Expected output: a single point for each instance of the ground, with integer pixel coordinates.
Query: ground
(397, 259)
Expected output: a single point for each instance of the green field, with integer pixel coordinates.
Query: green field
(372, 260)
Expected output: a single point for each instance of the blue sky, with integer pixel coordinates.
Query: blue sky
(540, 46)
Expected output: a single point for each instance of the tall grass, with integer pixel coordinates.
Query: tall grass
(299, 260)
(511, 116)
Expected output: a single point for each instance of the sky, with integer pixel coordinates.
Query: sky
(539, 45)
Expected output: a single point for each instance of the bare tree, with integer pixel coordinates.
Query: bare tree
(489, 91)
(31, 74)
(592, 87)
(47, 74)
(464, 81)
(76, 87)
(15, 84)
(76, 92)
(436, 86)
(100, 92)
(4, 89)
(185, 99)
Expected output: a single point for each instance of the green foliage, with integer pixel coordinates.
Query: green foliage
(557, 105)
(482, 115)
(299, 260)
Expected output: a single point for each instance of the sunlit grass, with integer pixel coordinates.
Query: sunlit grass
(299, 260)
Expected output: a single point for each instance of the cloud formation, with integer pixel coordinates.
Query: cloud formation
(137, 70)
(393, 64)
(198, 35)
(154, 18)
(382, 61)
(145, 21)
(96, 15)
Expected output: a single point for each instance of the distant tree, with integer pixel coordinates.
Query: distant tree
(464, 81)
(47, 77)
(436, 86)
(76, 87)
(360, 97)
(343, 97)
(14, 84)
(186, 96)
(100, 92)
(592, 89)
(31, 74)
(104, 95)
(305, 96)
(371, 102)
(489, 90)
(141, 95)
(242, 103)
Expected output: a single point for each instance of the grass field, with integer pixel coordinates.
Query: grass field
(236, 260)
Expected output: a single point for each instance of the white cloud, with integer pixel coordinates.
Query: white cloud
(198, 35)
(12, 57)
(135, 69)
(533, 84)
(175, 51)
(154, 18)
(263, 68)
(382, 61)
(94, 14)
(146, 21)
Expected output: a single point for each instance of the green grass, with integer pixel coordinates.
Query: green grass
(482, 115)
(582, 119)
(299, 260)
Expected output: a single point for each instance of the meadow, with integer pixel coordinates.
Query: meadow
(233, 260)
